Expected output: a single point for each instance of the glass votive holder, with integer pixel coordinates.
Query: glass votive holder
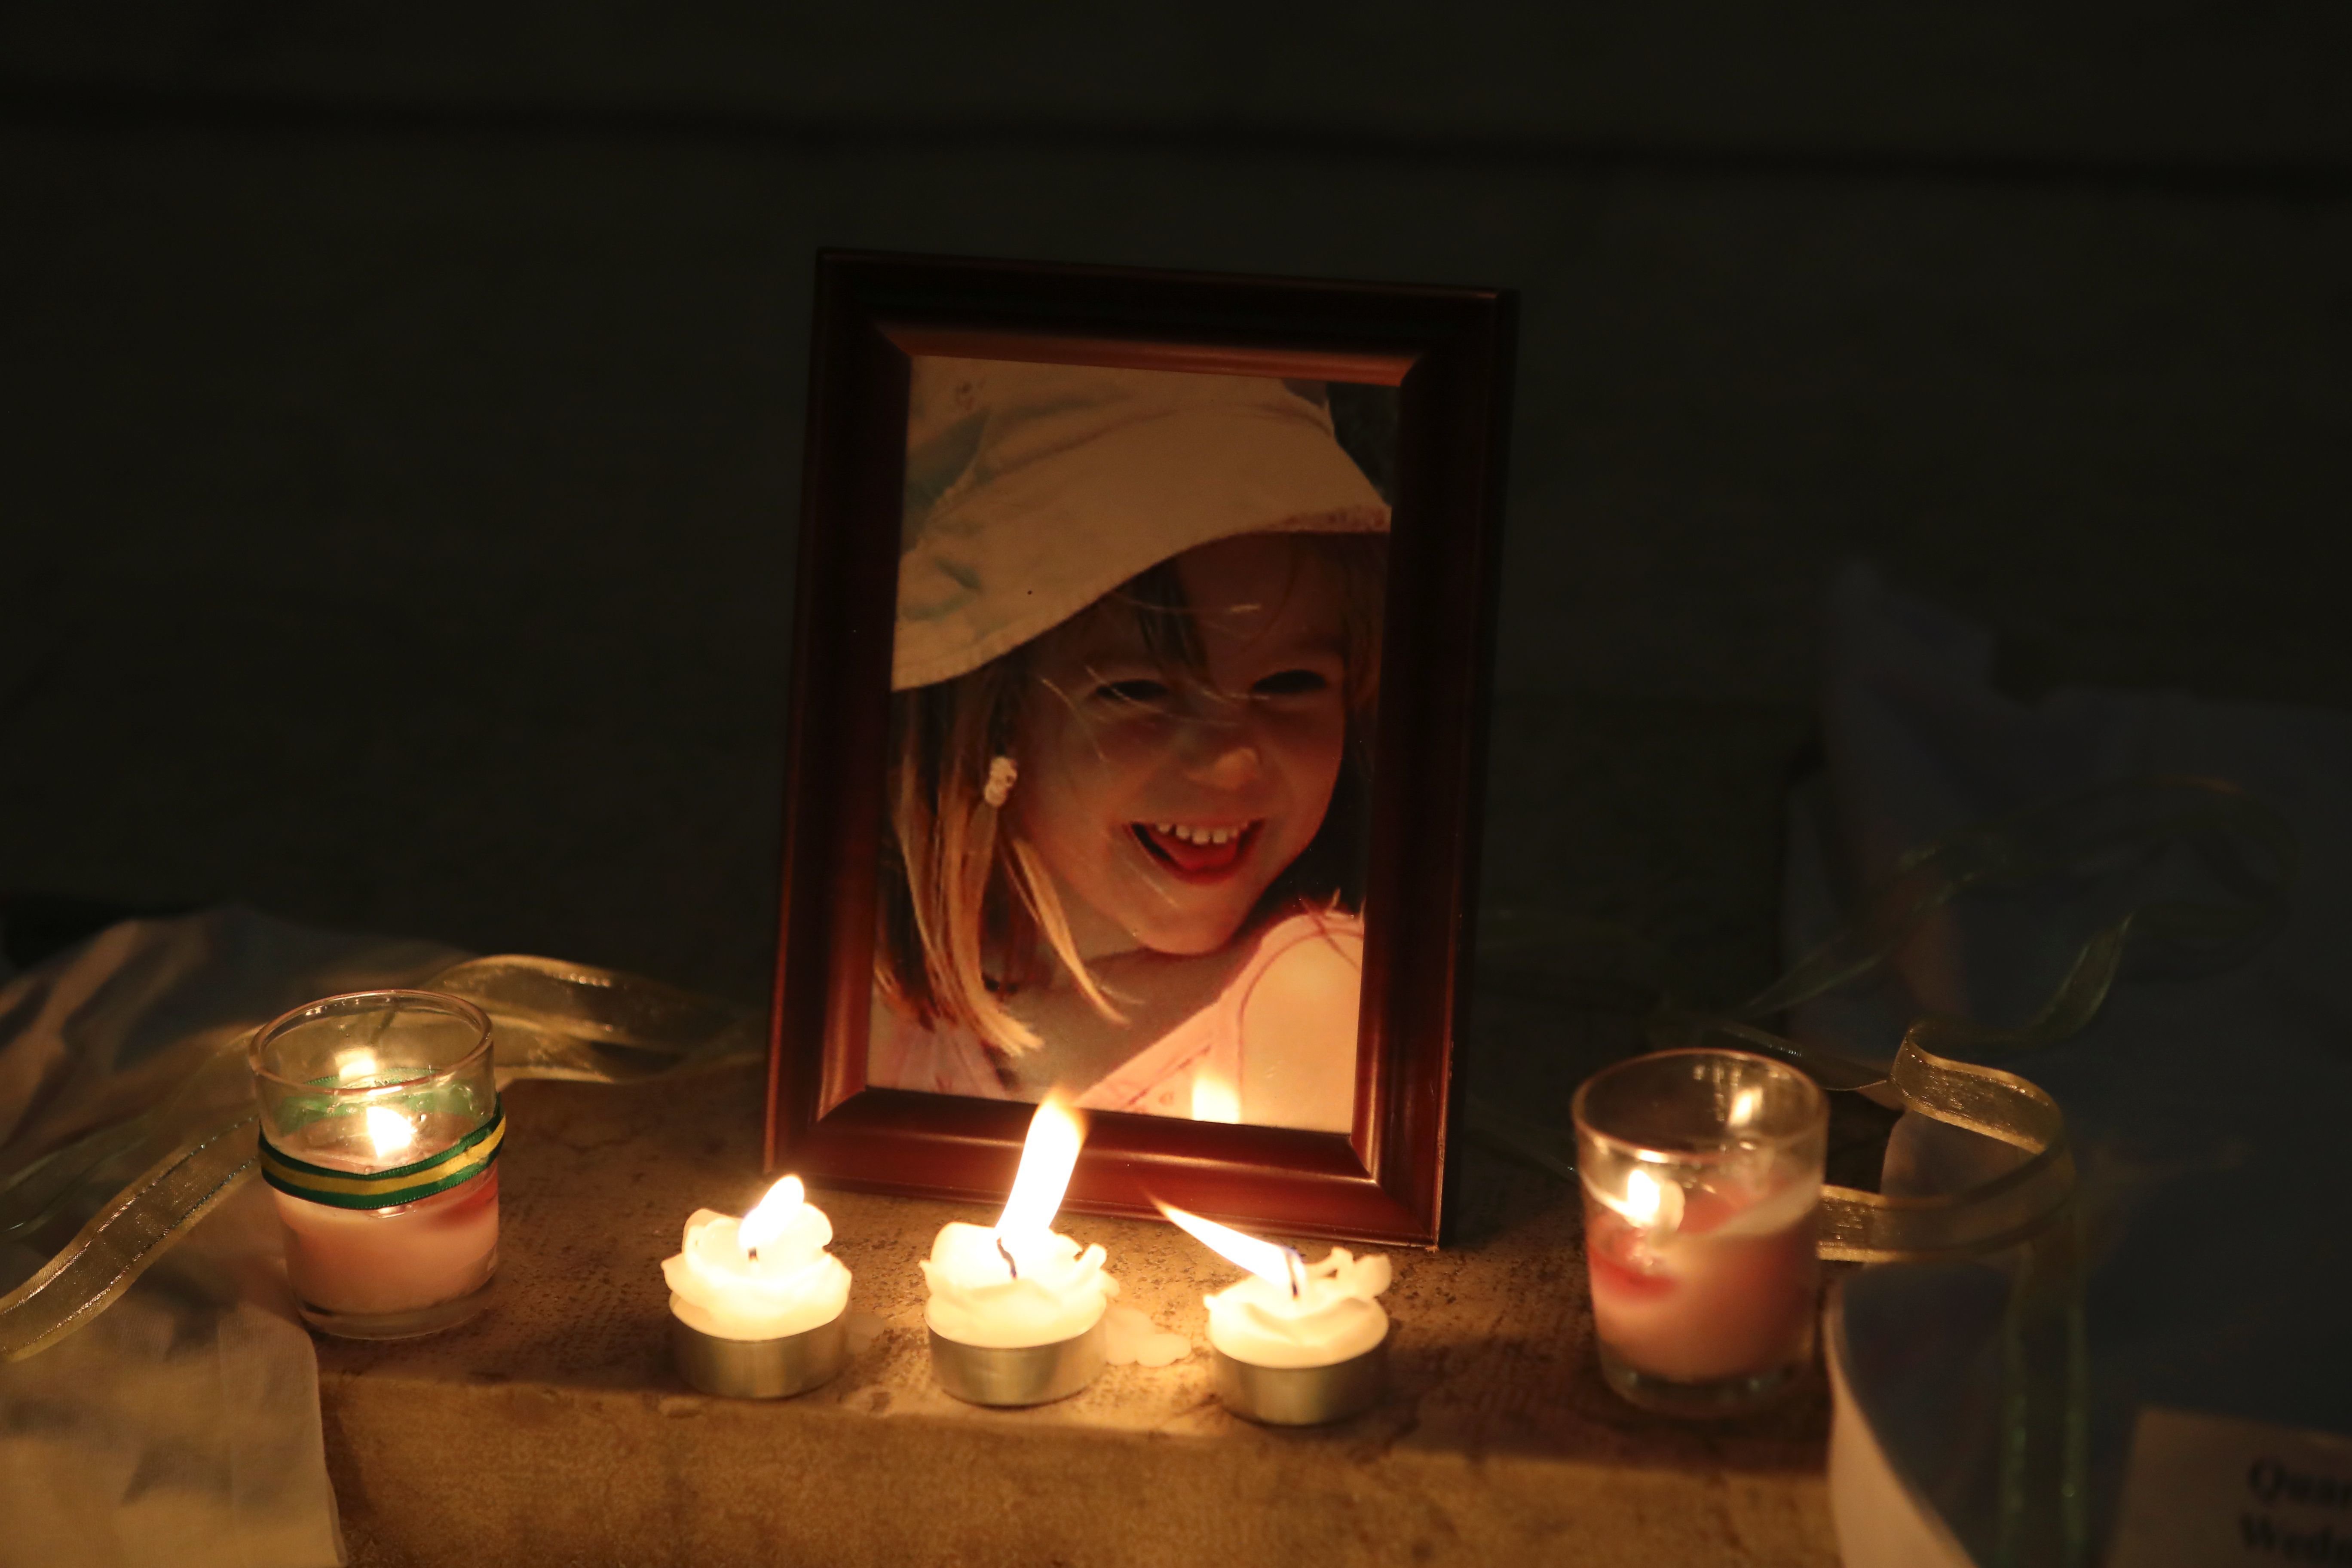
(380, 1134)
(1702, 1176)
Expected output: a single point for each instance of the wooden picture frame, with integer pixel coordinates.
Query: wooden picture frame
(1448, 353)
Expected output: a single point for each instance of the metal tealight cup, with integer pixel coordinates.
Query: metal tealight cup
(1303, 1396)
(761, 1369)
(1019, 1375)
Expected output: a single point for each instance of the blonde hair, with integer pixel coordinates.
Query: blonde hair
(967, 910)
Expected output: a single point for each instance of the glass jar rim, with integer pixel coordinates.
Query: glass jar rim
(1813, 1124)
(437, 1001)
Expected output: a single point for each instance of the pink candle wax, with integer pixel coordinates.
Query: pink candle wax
(1726, 1292)
(392, 1259)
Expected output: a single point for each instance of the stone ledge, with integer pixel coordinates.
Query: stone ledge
(554, 1431)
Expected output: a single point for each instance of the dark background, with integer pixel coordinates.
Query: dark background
(399, 454)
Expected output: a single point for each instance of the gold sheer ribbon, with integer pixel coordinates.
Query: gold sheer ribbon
(548, 1020)
(2243, 847)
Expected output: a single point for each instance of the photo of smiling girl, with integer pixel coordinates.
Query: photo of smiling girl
(1135, 669)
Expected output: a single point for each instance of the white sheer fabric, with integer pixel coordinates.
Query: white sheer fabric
(179, 1430)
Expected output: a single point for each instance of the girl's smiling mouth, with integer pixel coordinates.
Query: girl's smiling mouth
(1197, 852)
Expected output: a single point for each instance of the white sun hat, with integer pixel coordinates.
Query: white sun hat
(1033, 489)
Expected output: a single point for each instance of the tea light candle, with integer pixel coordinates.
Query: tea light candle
(757, 1304)
(1289, 1322)
(1015, 1309)
(763, 1277)
(1287, 1313)
(381, 1125)
(1004, 1292)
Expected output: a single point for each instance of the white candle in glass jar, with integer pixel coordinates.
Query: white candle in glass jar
(1018, 1283)
(395, 1259)
(763, 1276)
(1289, 1313)
(1714, 1280)
(1701, 1170)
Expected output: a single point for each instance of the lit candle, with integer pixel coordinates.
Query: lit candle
(380, 1131)
(1020, 1287)
(760, 1278)
(1702, 1174)
(1287, 1313)
(1297, 1343)
(396, 1258)
(1693, 1284)
(758, 1307)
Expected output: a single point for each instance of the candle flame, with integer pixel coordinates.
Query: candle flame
(1650, 1204)
(1270, 1261)
(358, 1065)
(388, 1131)
(1047, 1157)
(1745, 1105)
(770, 1215)
(1641, 1197)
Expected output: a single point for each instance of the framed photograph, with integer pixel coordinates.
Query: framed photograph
(1136, 735)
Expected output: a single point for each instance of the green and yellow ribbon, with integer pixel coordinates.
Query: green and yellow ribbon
(453, 1167)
